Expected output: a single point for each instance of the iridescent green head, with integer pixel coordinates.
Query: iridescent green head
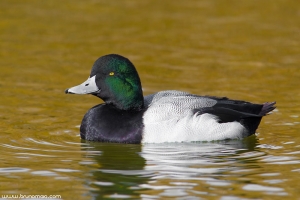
(115, 80)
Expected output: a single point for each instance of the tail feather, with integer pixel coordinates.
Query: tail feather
(267, 107)
(252, 123)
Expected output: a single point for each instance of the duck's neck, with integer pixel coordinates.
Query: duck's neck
(132, 103)
(125, 100)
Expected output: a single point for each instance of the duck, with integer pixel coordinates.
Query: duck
(170, 116)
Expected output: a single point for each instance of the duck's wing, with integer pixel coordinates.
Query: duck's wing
(246, 113)
(244, 106)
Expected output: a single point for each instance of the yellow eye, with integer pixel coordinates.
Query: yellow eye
(112, 73)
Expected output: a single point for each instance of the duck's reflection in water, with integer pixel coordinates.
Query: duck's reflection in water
(120, 170)
(127, 170)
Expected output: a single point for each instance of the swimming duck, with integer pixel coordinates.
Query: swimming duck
(166, 116)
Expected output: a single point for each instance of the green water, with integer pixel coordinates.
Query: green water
(240, 49)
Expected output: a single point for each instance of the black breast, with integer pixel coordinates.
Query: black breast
(104, 123)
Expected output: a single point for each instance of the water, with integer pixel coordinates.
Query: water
(240, 49)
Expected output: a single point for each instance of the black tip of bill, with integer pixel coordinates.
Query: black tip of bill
(67, 92)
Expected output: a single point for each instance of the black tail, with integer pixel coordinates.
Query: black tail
(252, 123)
(267, 107)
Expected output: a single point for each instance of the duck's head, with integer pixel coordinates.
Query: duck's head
(115, 80)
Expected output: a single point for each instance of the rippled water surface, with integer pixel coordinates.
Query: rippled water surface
(240, 49)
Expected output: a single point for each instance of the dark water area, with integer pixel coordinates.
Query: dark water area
(246, 50)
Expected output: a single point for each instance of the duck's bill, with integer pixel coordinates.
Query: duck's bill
(87, 87)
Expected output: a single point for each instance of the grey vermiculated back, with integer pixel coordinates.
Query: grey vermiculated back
(171, 104)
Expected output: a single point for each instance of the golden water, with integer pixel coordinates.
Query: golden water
(241, 49)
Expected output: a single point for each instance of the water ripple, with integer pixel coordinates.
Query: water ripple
(283, 160)
(256, 187)
(13, 170)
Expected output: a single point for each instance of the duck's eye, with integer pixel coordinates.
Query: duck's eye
(112, 73)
